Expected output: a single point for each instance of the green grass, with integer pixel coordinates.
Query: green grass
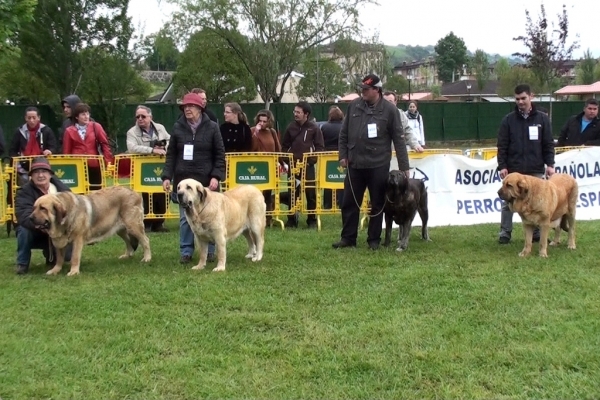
(459, 317)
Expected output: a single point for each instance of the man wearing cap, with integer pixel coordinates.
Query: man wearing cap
(370, 127)
(195, 151)
(29, 237)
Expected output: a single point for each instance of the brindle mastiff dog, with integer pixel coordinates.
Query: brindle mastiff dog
(544, 203)
(404, 197)
(82, 219)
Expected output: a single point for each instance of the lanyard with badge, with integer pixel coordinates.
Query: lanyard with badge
(534, 132)
(371, 129)
(188, 149)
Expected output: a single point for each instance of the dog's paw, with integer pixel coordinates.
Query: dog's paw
(53, 271)
(126, 255)
(198, 267)
(73, 273)
(220, 268)
(543, 255)
(524, 253)
(572, 246)
(256, 258)
(399, 249)
(250, 255)
(553, 243)
(146, 259)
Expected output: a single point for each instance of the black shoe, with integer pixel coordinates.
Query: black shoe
(503, 240)
(291, 223)
(210, 257)
(374, 245)
(185, 259)
(342, 243)
(22, 269)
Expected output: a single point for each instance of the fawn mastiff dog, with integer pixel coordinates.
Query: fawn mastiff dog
(82, 219)
(404, 197)
(544, 203)
(221, 217)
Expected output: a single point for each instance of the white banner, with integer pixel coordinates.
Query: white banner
(464, 191)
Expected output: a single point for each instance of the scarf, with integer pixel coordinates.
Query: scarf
(414, 115)
(81, 129)
(33, 147)
(194, 125)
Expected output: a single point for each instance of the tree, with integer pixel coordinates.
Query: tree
(514, 77)
(548, 50)
(502, 68)
(481, 67)
(323, 78)
(585, 69)
(269, 37)
(13, 13)
(109, 82)
(361, 56)
(18, 85)
(450, 56)
(159, 51)
(208, 62)
(396, 83)
(50, 44)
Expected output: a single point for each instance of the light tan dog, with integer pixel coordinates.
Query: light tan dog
(221, 217)
(544, 203)
(82, 219)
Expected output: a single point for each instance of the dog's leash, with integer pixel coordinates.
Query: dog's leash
(356, 201)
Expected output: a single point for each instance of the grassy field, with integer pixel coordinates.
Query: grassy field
(458, 317)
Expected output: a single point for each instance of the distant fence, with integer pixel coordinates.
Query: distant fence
(442, 121)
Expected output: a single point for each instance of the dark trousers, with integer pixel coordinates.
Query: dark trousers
(95, 178)
(159, 206)
(357, 181)
(310, 194)
(28, 240)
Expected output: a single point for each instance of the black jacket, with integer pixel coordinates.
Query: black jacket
(72, 100)
(363, 152)
(571, 134)
(44, 136)
(208, 157)
(331, 134)
(26, 197)
(237, 138)
(516, 151)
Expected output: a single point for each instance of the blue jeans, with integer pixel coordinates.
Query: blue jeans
(186, 237)
(28, 240)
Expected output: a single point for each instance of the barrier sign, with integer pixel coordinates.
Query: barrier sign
(257, 173)
(333, 174)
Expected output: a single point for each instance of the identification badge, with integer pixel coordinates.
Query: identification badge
(534, 133)
(372, 131)
(188, 152)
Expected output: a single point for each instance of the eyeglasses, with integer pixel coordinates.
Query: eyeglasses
(140, 117)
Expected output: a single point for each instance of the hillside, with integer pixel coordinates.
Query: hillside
(401, 53)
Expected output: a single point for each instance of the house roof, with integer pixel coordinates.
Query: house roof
(418, 96)
(579, 89)
(459, 88)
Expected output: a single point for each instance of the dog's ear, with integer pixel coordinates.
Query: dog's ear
(60, 213)
(201, 193)
(522, 187)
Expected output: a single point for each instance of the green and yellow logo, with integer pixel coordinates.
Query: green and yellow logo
(252, 172)
(151, 174)
(67, 174)
(335, 173)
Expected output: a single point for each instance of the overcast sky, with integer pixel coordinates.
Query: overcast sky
(482, 24)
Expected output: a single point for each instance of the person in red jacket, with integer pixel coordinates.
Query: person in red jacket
(87, 137)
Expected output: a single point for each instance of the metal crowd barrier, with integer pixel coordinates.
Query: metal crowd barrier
(266, 171)
(5, 213)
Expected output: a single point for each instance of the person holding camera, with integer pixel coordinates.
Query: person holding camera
(149, 137)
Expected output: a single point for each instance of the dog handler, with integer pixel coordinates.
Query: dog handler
(370, 126)
(29, 236)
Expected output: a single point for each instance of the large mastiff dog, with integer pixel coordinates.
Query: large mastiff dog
(221, 217)
(544, 203)
(404, 197)
(82, 219)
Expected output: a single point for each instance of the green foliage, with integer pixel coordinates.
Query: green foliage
(360, 57)
(210, 63)
(407, 53)
(323, 79)
(514, 77)
(451, 55)
(50, 44)
(585, 69)
(269, 37)
(13, 13)
(458, 317)
(109, 82)
(160, 52)
(396, 83)
(20, 86)
(502, 68)
(481, 67)
(547, 47)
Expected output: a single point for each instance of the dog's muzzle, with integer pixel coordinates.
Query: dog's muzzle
(43, 226)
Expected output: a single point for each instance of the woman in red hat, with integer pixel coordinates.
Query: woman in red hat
(195, 151)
